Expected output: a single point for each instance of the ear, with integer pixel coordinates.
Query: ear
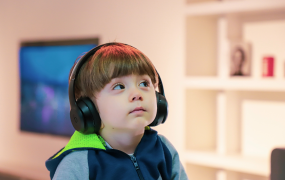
(95, 103)
(102, 125)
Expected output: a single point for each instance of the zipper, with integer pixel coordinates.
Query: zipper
(134, 160)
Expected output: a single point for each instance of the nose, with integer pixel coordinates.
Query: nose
(136, 95)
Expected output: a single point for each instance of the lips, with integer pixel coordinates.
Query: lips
(138, 109)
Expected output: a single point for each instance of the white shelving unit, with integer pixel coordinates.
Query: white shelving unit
(218, 120)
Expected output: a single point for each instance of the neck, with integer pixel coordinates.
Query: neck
(122, 140)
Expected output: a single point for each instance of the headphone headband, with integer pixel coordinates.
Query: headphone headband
(75, 71)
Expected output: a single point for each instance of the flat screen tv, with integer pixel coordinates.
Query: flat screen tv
(44, 70)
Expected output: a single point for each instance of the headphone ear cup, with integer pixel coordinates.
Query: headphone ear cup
(77, 119)
(89, 119)
(162, 110)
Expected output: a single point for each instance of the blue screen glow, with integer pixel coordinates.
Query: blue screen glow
(44, 72)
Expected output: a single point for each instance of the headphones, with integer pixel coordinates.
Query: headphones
(83, 114)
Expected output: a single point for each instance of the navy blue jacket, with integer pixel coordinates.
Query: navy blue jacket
(152, 160)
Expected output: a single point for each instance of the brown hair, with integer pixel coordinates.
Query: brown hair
(111, 61)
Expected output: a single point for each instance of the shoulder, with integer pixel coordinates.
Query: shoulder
(168, 144)
(163, 138)
(178, 171)
(78, 156)
(73, 166)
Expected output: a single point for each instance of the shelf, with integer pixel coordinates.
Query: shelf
(257, 166)
(235, 6)
(235, 83)
(201, 172)
(198, 123)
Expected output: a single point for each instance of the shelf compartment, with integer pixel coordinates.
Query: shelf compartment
(254, 122)
(200, 126)
(262, 127)
(237, 163)
(201, 45)
(267, 39)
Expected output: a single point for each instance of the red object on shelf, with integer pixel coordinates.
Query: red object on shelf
(268, 66)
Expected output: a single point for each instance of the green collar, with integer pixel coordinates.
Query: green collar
(79, 140)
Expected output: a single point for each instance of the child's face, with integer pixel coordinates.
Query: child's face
(121, 96)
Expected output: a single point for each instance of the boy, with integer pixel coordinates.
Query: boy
(120, 81)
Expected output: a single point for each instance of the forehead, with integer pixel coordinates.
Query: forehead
(118, 70)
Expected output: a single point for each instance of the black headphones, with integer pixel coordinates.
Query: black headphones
(83, 114)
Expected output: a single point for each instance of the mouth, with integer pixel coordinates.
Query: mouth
(138, 109)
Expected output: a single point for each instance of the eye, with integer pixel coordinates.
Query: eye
(145, 83)
(118, 86)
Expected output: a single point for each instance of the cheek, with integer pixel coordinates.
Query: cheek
(154, 105)
(109, 109)
(103, 108)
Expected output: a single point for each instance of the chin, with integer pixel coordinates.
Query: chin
(141, 123)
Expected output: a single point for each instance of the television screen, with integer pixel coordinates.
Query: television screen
(44, 71)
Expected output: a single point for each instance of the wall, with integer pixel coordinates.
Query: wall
(154, 27)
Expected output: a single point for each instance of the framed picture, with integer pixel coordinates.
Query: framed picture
(240, 59)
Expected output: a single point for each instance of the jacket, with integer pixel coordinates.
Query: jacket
(87, 157)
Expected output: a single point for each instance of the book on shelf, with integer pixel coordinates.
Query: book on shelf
(268, 66)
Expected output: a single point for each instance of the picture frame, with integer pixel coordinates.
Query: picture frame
(240, 59)
(44, 71)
